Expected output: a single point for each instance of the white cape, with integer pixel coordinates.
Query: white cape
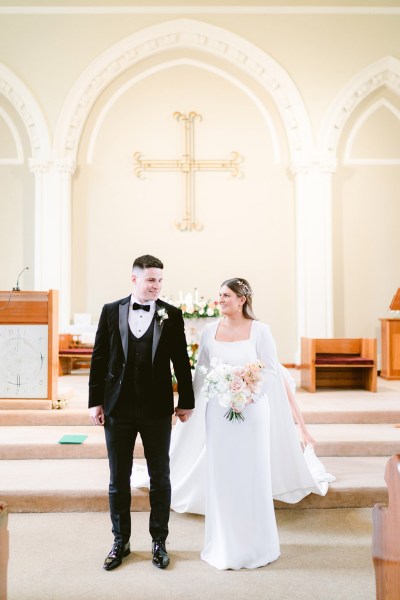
(294, 473)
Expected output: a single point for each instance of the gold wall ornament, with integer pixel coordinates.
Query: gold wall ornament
(187, 165)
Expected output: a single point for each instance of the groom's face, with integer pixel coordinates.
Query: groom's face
(147, 283)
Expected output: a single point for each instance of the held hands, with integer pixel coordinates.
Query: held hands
(183, 414)
(97, 415)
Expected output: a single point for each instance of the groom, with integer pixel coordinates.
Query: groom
(130, 393)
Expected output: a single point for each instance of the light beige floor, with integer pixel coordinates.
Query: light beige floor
(326, 555)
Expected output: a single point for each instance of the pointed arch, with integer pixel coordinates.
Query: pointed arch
(348, 158)
(183, 34)
(22, 99)
(384, 72)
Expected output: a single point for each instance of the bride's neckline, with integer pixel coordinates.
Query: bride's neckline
(233, 341)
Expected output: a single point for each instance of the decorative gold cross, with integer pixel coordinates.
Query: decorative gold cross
(187, 165)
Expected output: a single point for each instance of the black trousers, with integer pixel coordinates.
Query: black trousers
(121, 433)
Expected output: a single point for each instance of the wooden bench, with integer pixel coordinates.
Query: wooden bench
(343, 363)
(72, 354)
(386, 536)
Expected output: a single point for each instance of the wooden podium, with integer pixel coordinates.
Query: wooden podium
(28, 349)
(390, 343)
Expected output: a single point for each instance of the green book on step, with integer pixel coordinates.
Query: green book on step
(72, 439)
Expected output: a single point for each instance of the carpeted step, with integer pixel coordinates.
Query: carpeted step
(322, 407)
(66, 416)
(356, 440)
(66, 485)
(82, 485)
(332, 440)
(350, 406)
(43, 442)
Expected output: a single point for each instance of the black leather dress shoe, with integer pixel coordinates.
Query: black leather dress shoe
(160, 555)
(115, 556)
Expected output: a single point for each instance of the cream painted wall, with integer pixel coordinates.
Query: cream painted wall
(248, 222)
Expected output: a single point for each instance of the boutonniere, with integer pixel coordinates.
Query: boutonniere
(161, 315)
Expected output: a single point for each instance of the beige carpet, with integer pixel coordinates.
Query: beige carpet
(326, 555)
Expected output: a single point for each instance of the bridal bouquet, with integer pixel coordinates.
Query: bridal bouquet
(235, 386)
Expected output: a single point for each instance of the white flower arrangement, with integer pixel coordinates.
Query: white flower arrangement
(235, 386)
(162, 315)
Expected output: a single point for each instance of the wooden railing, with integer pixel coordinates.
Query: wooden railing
(386, 536)
(4, 550)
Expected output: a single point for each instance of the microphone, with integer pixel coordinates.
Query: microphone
(17, 288)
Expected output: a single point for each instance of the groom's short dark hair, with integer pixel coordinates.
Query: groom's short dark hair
(147, 261)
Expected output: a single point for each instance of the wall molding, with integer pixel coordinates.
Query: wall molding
(20, 97)
(384, 72)
(200, 10)
(183, 34)
(18, 159)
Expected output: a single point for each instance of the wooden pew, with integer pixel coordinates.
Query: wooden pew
(4, 550)
(345, 363)
(72, 354)
(386, 536)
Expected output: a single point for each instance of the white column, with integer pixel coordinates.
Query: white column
(40, 169)
(64, 169)
(52, 226)
(314, 250)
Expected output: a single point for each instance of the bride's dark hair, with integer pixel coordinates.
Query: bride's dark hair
(241, 287)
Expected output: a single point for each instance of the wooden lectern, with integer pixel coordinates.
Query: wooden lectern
(28, 349)
(390, 340)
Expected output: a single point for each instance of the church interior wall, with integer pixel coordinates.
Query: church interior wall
(366, 211)
(321, 53)
(248, 222)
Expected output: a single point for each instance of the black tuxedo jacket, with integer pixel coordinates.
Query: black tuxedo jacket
(110, 352)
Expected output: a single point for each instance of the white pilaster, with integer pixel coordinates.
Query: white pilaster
(52, 260)
(40, 169)
(314, 250)
(64, 169)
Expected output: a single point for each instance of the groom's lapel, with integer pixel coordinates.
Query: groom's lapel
(123, 325)
(157, 331)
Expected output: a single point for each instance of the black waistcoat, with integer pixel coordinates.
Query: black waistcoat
(138, 373)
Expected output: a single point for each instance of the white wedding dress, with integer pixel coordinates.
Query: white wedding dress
(231, 471)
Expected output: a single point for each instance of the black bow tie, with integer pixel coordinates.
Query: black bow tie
(136, 306)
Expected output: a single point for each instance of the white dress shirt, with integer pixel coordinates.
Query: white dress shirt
(139, 320)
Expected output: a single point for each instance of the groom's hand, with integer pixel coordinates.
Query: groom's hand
(97, 415)
(183, 414)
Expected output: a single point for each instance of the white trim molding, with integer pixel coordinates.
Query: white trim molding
(182, 34)
(201, 10)
(384, 72)
(19, 96)
(18, 159)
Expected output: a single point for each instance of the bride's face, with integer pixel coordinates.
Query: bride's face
(230, 303)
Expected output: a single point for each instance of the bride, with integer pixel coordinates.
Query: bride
(231, 470)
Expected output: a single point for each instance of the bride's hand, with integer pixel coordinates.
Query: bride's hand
(183, 414)
(307, 437)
